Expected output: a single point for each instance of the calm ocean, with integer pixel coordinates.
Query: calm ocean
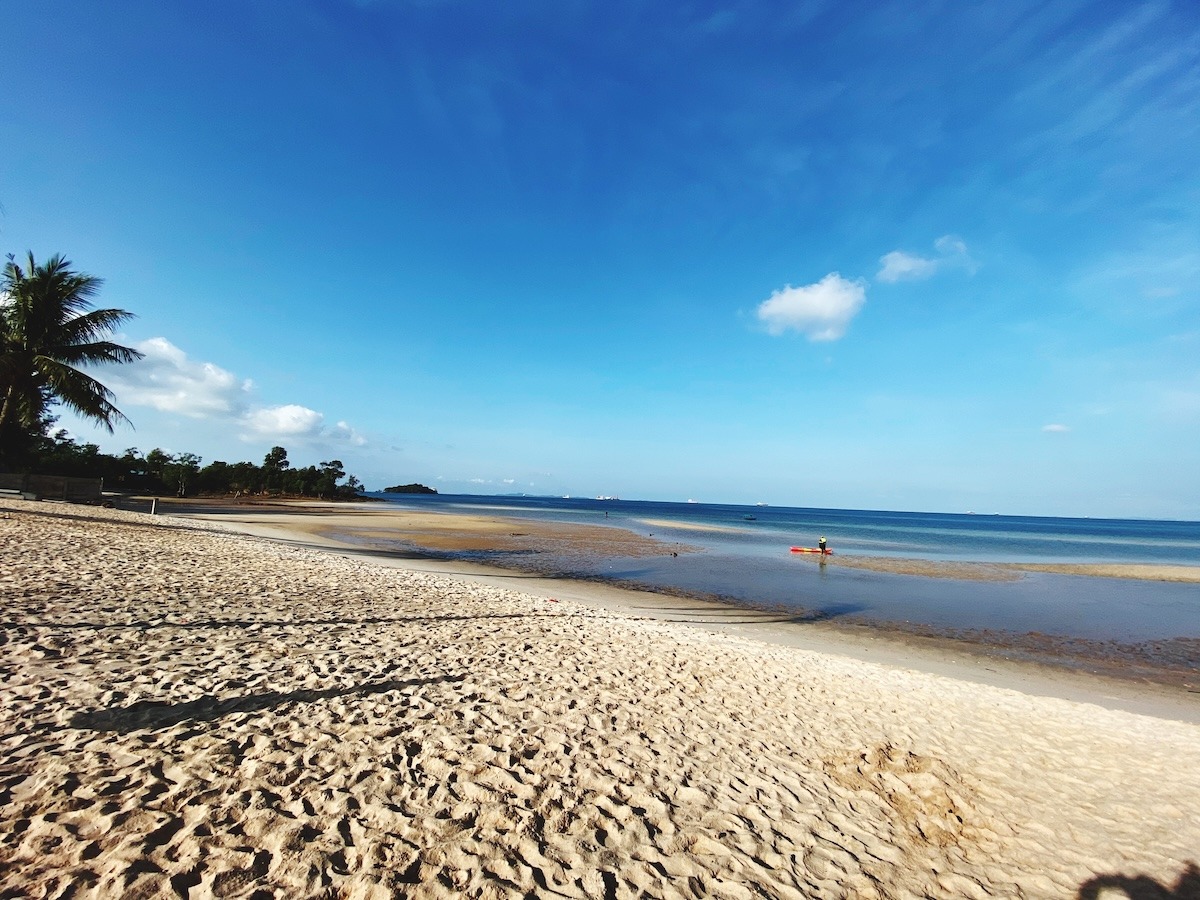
(746, 559)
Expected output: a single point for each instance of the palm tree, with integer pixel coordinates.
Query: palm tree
(48, 330)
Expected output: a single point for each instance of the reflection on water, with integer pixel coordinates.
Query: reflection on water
(1072, 606)
(1099, 608)
(747, 561)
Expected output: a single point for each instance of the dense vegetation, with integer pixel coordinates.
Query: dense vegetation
(181, 474)
(409, 489)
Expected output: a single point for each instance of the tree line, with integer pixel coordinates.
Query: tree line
(182, 475)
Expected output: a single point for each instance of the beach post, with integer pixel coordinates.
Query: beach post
(154, 506)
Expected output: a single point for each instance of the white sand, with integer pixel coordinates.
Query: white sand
(192, 713)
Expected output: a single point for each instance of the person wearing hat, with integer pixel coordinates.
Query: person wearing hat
(821, 544)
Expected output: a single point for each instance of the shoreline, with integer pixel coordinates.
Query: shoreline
(190, 710)
(1102, 672)
(448, 531)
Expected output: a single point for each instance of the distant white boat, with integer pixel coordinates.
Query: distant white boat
(690, 500)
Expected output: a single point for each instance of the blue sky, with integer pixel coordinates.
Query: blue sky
(910, 255)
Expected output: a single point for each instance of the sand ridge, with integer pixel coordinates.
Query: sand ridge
(1012, 571)
(420, 531)
(189, 712)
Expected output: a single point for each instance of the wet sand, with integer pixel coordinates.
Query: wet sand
(980, 571)
(193, 712)
(459, 539)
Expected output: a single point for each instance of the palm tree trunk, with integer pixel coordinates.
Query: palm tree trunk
(7, 402)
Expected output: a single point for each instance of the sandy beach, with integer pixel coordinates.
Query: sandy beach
(194, 712)
(550, 554)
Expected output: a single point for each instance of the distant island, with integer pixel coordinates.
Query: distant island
(409, 489)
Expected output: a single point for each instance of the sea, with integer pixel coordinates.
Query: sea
(743, 557)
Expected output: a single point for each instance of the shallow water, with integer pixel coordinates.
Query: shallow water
(747, 560)
(1072, 606)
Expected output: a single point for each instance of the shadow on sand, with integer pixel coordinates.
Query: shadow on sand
(155, 715)
(84, 512)
(263, 623)
(1143, 887)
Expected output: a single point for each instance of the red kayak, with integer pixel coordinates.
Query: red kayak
(812, 550)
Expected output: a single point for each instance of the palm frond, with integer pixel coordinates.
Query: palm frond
(47, 328)
(91, 325)
(94, 353)
(80, 392)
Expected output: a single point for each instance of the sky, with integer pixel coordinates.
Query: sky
(912, 255)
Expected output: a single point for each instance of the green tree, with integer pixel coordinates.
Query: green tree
(331, 473)
(300, 481)
(48, 330)
(215, 478)
(180, 471)
(156, 462)
(274, 464)
(245, 478)
(133, 461)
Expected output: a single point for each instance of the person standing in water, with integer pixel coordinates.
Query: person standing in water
(821, 545)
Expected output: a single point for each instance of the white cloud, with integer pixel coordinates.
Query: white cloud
(1056, 428)
(901, 266)
(289, 420)
(821, 311)
(167, 380)
(294, 422)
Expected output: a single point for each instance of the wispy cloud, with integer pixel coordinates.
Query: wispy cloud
(1163, 271)
(344, 431)
(821, 311)
(1056, 428)
(900, 265)
(167, 380)
(1178, 402)
(1112, 82)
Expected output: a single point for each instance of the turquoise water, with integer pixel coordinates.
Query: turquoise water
(745, 558)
